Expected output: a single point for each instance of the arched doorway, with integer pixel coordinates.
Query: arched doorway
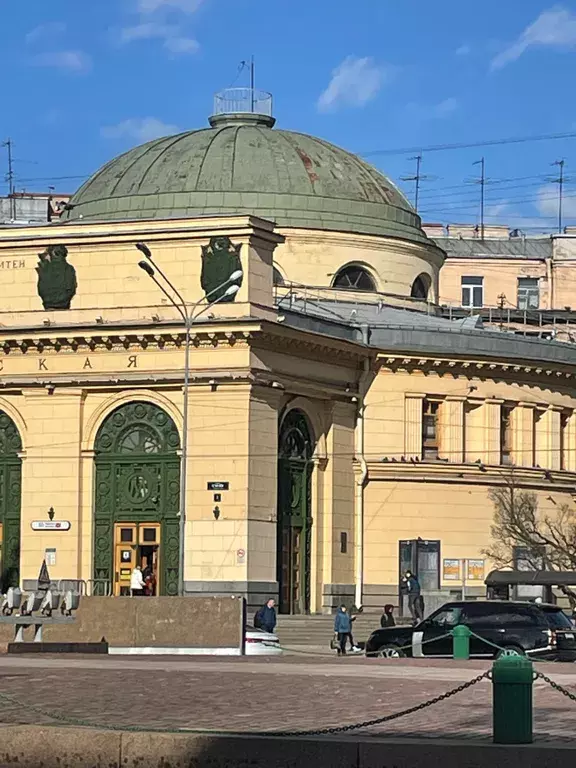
(295, 451)
(10, 502)
(137, 498)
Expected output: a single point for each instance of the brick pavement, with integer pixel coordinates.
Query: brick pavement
(266, 694)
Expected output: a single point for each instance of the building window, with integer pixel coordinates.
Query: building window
(472, 291)
(421, 287)
(429, 429)
(506, 435)
(355, 279)
(528, 293)
(277, 277)
(564, 418)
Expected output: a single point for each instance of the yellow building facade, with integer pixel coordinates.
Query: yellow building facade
(338, 428)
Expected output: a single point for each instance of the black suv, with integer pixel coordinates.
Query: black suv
(538, 630)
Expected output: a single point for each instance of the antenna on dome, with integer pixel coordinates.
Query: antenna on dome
(252, 81)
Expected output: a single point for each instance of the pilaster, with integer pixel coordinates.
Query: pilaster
(413, 425)
(451, 432)
(522, 423)
(52, 479)
(548, 438)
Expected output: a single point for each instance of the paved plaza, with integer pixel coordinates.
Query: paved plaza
(266, 695)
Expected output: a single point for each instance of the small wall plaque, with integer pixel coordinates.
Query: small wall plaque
(218, 485)
(50, 525)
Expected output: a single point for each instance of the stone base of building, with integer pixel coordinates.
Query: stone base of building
(256, 593)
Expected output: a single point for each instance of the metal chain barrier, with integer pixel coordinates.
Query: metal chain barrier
(13, 702)
(353, 654)
(556, 686)
(385, 718)
(506, 650)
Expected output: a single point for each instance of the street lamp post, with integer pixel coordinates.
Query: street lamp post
(186, 311)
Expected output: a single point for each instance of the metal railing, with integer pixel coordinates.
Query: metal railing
(234, 101)
(86, 587)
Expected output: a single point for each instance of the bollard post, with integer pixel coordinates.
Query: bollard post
(512, 681)
(461, 642)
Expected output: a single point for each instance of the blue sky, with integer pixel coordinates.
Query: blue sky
(84, 81)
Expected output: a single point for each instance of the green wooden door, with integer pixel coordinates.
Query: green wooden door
(294, 514)
(137, 480)
(10, 502)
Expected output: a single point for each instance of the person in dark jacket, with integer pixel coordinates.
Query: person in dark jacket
(266, 616)
(343, 628)
(415, 602)
(387, 619)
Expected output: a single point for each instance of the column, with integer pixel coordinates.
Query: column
(492, 417)
(570, 444)
(522, 422)
(548, 438)
(413, 425)
(451, 429)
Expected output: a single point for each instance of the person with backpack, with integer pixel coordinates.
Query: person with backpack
(387, 619)
(265, 617)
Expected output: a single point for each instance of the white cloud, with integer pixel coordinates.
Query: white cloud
(44, 31)
(145, 31)
(555, 27)
(444, 108)
(438, 111)
(186, 6)
(354, 83)
(547, 203)
(181, 44)
(464, 50)
(140, 129)
(171, 35)
(73, 61)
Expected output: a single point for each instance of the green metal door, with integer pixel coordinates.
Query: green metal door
(10, 502)
(294, 514)
(137, 480)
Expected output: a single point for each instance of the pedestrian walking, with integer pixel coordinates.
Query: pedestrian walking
(266, 617)
(137, 584)
(342, 628)
(353, 646)
(387, 619)
(415, 602)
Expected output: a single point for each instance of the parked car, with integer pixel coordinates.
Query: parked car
(538, 630)
(261, 643)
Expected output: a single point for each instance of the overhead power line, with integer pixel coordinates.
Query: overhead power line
(471, 145)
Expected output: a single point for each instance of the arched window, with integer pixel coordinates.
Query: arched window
(354, 278)
(277, 278)
(421, 287)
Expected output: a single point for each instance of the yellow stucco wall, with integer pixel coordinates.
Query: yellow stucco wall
(314, 257)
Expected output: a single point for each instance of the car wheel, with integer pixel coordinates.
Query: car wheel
(390, 652)
(510, 650)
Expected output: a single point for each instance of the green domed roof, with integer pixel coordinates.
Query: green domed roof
(242, 165)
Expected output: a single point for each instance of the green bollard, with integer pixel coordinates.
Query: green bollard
(461, 642)
(512, 680)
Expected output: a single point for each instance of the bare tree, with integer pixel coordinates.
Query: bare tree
(548, 541)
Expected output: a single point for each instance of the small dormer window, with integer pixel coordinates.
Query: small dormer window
(420, 287)
(354, 279)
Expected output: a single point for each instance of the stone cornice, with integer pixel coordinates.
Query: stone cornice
(310, 345)
(472, 474)
(474, 367)
(239, 226)
(89, 343)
